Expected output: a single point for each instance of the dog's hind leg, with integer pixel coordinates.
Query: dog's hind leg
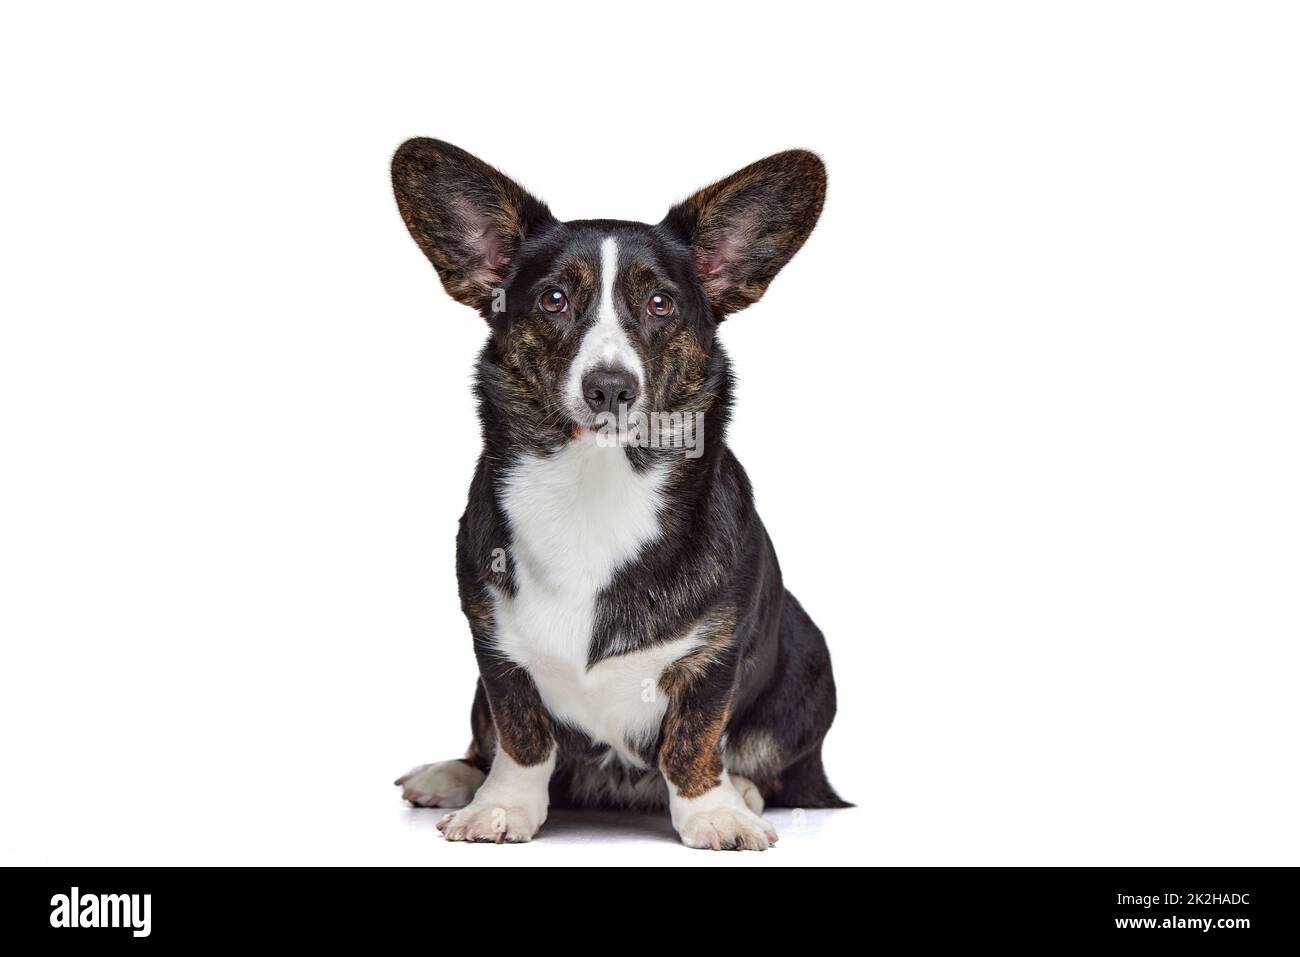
(454, 783)
(441, 784)
(776, 742)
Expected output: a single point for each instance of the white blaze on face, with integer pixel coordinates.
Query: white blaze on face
(605, 345)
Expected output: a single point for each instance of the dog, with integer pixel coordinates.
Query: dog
(635, 644)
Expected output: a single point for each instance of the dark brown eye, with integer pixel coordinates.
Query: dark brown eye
(659, 306)
(554, 301)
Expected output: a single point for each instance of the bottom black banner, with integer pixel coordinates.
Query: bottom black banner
(1228, 908)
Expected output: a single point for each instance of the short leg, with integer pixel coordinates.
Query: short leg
(512, 802)
(708, 809)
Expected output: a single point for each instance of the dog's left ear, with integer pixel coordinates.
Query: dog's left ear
(744, 228)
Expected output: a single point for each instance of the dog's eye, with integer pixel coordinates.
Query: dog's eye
(659, 306)
(554, 301)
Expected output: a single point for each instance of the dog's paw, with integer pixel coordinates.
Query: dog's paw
(489, 823)
(441, 784)
(727, 829)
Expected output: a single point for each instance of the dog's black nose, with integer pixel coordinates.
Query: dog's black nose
(606, 389)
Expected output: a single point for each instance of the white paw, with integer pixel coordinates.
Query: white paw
(488, 822)
(723, 818)
(727, 829)
(749, 792)
(441, 784)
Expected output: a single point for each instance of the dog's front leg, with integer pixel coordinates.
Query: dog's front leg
(511, 804)
(707, 810)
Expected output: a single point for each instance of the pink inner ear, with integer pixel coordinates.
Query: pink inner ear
(729, 246)
(486, 248)
(486, 244)
(709, 263)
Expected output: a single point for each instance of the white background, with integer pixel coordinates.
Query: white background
(1021, 417)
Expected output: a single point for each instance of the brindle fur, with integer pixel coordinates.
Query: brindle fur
(758, 696)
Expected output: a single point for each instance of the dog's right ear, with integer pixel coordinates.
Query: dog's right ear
(467, 217)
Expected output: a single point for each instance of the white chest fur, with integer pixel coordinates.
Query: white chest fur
(576, 517)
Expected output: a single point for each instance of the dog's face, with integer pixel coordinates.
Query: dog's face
(597, 319)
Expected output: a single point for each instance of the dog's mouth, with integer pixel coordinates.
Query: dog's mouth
(621, 428)
(583, 422)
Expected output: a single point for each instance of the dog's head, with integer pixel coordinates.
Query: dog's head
(593, 319)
